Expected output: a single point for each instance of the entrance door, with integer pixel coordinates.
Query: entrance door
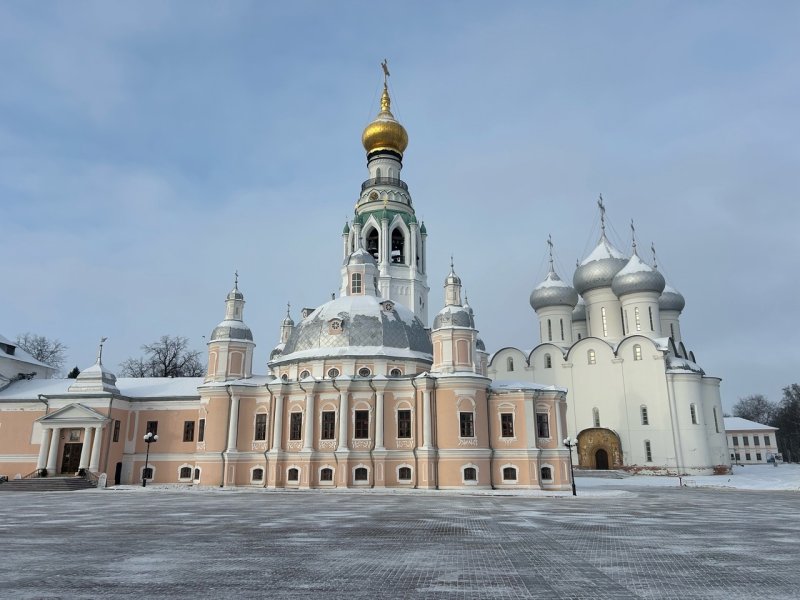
(71, 460)
(601, 460)
(118, 474)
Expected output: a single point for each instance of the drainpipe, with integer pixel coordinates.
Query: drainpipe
(227, 431)
(489, 434)
(110, 434)
(335, 457)
(416, 437)
(269, 435)
(371, 457)
(44, 399)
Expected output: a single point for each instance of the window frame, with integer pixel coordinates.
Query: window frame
(360, 426)
(507, 425)
(543, 425)
(188, 431)
(295, 426)
(260, 427)
(327, 430)
(404, 428)
(466, 423)
(201, 430)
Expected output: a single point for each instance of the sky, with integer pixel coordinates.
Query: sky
(149, 149)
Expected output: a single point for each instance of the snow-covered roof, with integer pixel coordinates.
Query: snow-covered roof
(20, 354)
(604, 249)
(740, 424)
(131, 387)
(514, 386)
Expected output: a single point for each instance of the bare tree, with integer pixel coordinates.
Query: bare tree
(50, 352)
(168, 357)
(755, 408)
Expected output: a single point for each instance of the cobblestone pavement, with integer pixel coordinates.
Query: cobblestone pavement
(652, 543)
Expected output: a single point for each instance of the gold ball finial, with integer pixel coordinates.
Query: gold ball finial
(385, 132)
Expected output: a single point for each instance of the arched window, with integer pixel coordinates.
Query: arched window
(470, 474)
(293, 474)
(546, 473)
(258, 475)
(622, 320)
(591, 357)
(637, 352)
(398, 246)
(197, 473)
(637, 319)
(548, 361)
(650, 312)
(561, 321)
(672, 331)
(186, 473)
(648, 451)
(605, 321)
(693, 411)
(580, 337)
(716, 420)
(378, 173)
(625, 324)
(404, 474)
(326, 474)
(549, 331)
(596, 417)
(509, 364)
(645, 418)
(355, 285)
(361, 474)
(373, 246)
(509, 474)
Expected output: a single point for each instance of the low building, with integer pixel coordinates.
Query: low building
(750, 442)
(16, 364)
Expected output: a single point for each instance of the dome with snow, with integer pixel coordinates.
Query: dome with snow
(671, 299)
(637, 276)
(599, 268)
(232, 330)
(453, 316)
(579, 313)
(553, 292)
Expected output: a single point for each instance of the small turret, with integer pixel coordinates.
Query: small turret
(553, 301)
(230, 349)
(454, 335)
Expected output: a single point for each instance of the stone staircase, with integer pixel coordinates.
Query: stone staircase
(47, 484)
(606, 474)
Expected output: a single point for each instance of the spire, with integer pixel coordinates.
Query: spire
(633, 238)
(100, 351)
(655, 258)
(602, 216)
(550, 251)
(287, 325)
(386, 102)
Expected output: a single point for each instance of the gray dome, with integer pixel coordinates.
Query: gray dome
(553, 292)
(637, 276)
(359, 326)
(361, 257)
(598, 269)
(671, 299)
(453, 316)
(235, 294)
(232, 330)
(452, 279)
(579, 314)
(480, 345)
(287, 321)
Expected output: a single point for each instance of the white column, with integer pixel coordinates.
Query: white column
(308, 441)
(52, 458)
(344, 411)
(426, 419)
(277, 428)
(379, 420)
(233, 424)
(87, 442)
(44, 447)
(94, 461)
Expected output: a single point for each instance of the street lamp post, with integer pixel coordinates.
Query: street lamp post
(571, 443)
(149, 438)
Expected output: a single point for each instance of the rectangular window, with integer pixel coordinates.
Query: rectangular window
(201, 430)
(507, 425)
(738, 457)
(625, 325)
(562, 329)
(467, 422)
(622, 320)
(756, 441)
(296, 426)
(736, 440)
(549, 331)
(116, 430)
(766, 440)
(758, 455)
(260, 434)
(636, 317)
(648, 452)
(356, 287)
(605, 322)
(404, 424)
(362, 425)
(328, 425)
(747, 456)
(746, 440)
(650, 311)
(543, 425)
(645, 418)
(188, 431)
(152, 427)
(693, 410)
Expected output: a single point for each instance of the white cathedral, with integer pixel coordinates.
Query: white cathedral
(364, 392)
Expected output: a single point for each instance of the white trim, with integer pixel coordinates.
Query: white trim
(477, 474)
(509, 466)
(360, 481)
(552, 472)
(333, 475)
(397, 474)
(299, 475)
(263, 474)
(150, 466)
(191, 473)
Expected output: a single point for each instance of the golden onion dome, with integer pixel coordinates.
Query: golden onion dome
(385, 132)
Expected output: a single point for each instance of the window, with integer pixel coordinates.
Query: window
(746, 440)
(258, 475)
(372, 243)
(758, 455)
(650, 313)
(152, 427)
(561, 323)
(756, 441)
(395, 373)
(201, 430)
(637, 352)
(362, 425)
(596, 417)
(766, 440)
(404, 474)
(328, 425)
(185, 473)
(509, 364)
(546, 473)
(285, 377)
(188, 431)
(404, 424)
(648, 452)
(580, 337)
(326, 474)
(543, 425)
(645, 418)
(738, 457)
(364, 372)
(467, 422)
(147, 473)
(398, 243)
(693, 411)
(605, 321)
(591, 357)
(260, 433)
(296, 426)
(470, 474)
(293, 474)
(548, 361)
(747, 456)
(197, 473)
(304, 374)
(509, 474)
(716, 420)
(736, 440)
(506, 425)
(549, 331)
(361, 474)
(333, 373)
(672, 331)
(637, 319)
(355, 286)
(116, 431)
(623, 317)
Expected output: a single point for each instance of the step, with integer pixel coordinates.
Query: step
(47, 484)
(605, 474)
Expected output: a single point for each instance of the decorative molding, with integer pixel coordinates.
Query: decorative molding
(361, 444)
(405, 443)
(260, 445)
(295, 445)
(327, 445)
(467, 441)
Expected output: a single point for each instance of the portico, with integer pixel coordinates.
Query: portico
(63, 432)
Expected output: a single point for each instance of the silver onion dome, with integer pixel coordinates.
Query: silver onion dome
(232, 330)
(671, 299)
(235, 294)
(599, 268)
(579, 313)
(480, 345)
(553, 292)
(453, 316)
(637, 276)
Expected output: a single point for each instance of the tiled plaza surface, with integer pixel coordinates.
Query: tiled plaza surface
(648, 543)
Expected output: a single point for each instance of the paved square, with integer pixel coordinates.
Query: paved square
(649, 543)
